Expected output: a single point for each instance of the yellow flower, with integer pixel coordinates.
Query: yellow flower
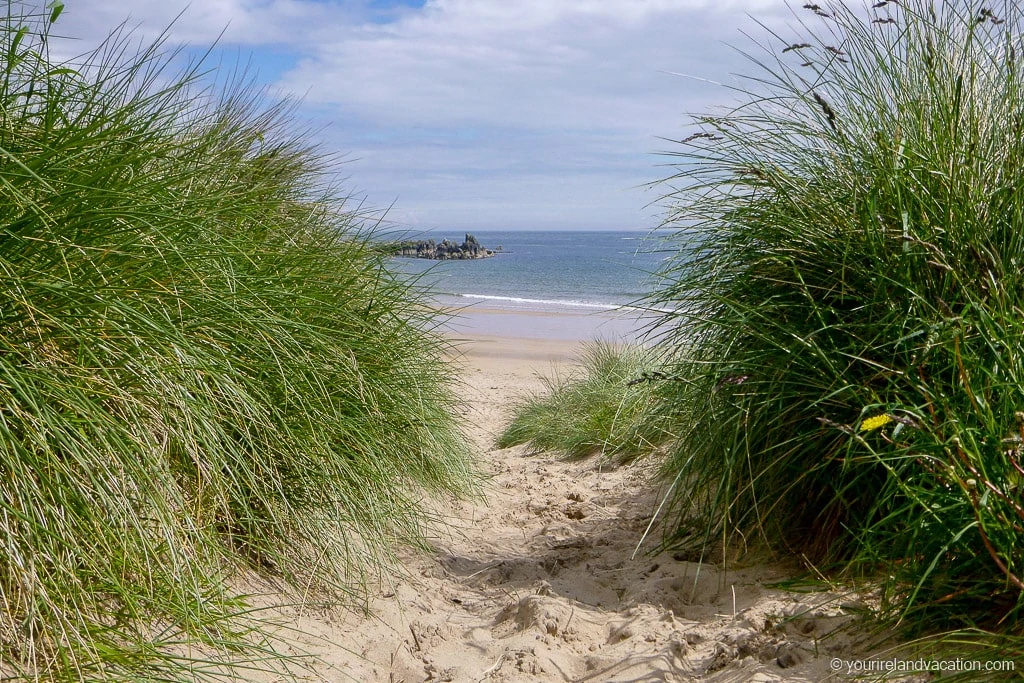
(875, 422)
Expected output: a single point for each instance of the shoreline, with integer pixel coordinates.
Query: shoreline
(544, 324)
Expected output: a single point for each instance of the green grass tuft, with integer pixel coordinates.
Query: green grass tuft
(205, 368)
(848, 299)
(601, 407)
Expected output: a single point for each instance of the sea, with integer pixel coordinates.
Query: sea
(549, 271)
(578, 285)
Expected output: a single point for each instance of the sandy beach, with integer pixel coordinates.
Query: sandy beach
(279, 276)
(479, 321)
(542, 579)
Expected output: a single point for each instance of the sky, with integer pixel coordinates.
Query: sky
(467, 115)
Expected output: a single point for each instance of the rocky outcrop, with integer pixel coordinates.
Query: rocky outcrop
(446, 250)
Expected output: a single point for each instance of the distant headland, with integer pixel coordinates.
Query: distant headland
(446, 250)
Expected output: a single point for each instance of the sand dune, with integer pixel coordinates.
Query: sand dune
(542, 580)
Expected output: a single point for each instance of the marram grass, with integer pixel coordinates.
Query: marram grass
(599, 408)
(205, 369)
(848, 292)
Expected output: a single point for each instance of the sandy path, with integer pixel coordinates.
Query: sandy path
(539, 582)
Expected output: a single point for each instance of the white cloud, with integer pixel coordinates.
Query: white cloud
(201, 22)
(485, 113)
(521, 64)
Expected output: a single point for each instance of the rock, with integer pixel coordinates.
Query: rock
(445, 251)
